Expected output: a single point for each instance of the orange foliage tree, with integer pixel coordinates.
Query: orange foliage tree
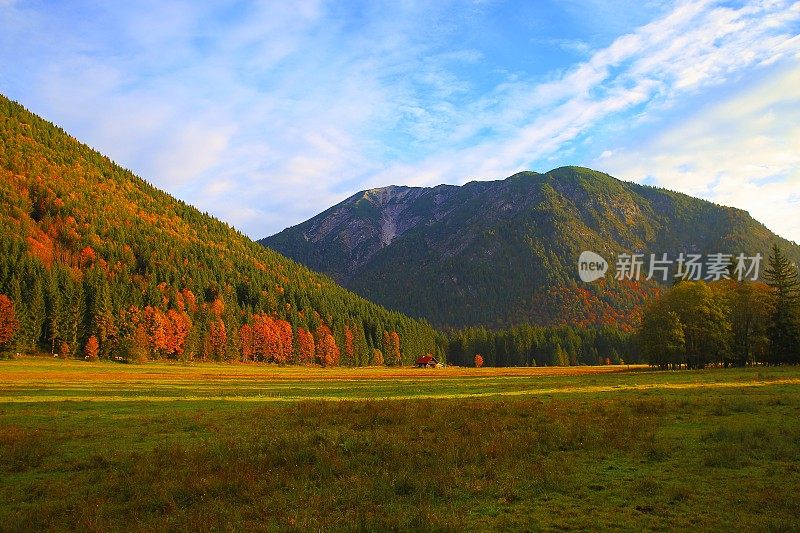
(177, 328)
(306, 346)
(92, 348)
(285, 353)
(271, 339)
(327, 351)
(478, 360)
(8, 321)
(246, 342)
(329, 354)
(156, 328)
(377, 357)
(391, 348)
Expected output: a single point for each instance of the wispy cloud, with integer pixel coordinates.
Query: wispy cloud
(742, 151)
(693, 48)
(266, 113)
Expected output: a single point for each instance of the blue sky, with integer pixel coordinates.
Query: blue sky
(265, 113)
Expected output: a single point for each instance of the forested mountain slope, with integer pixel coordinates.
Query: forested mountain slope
(500, 253)
(90, 253)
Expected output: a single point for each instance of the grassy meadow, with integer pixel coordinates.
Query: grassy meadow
(159, 446)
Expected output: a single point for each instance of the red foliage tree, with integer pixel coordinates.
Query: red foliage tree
(92, 348)
(189, 300)
(329, 354)
(157, 330)
(285, 352)
(320, 333)
(218, 307)
(87, 257)
(478, 360)
(177, 328)
(8, 321)
(306, 346)
(272, 339)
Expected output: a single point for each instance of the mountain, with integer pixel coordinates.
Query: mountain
(96, 259)
(499, 253)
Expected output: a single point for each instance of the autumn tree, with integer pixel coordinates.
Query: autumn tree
(246, 342)
(8, 321)
(155, 326)
(478, 360)
(177, 326)
(330, 351)
(285, 349)
(327, 352)
(394, 337)
(92, 348)
(391, 348)
(135, 348)
(270, 339)
(306, 346)
(377, 357)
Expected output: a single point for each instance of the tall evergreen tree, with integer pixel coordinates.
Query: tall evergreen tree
(783, 332)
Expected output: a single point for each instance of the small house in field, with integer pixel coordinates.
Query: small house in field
(427, 361)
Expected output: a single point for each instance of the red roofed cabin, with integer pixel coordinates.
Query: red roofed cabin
(427, 361)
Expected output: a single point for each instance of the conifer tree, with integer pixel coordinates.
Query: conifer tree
(783, 332)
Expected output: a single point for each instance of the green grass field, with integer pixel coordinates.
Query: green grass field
(106, 446)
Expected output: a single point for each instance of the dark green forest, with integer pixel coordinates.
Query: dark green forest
(529, 345)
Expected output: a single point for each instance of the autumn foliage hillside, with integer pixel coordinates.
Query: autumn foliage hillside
(90, 254)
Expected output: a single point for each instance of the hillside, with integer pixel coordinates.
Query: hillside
(499, 253)
(90, 251)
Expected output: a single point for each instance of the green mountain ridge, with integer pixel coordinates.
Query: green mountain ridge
(89, 249)
(499, 253)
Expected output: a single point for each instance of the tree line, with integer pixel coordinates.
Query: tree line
(695, 324)
(529, 345)
(82, 314)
